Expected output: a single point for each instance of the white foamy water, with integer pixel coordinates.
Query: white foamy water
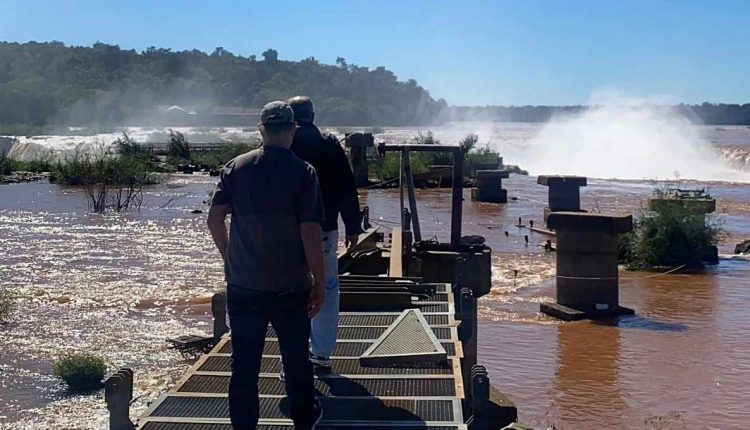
(59, 146)
(611, 142)
(627, 142)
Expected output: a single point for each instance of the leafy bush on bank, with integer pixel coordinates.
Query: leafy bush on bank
(672, 235)
(81, 372)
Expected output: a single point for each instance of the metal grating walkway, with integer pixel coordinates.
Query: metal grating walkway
(424, 396)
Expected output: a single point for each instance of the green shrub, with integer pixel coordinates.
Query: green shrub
(81, 371)
(387, 167)
(7, 304)
(669, 236)
(469, 142)
(38, 165)
(5, 165)
(476, 157)
(218, 158)
(425, 139)
(128, 147)
(179, 148)
(111, 179)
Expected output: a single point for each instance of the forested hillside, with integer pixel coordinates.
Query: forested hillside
(42, 84)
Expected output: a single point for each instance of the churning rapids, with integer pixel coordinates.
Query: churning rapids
(118, 285)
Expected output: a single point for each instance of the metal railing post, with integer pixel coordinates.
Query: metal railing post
(412, 196)
(458, 190)
(118, 392)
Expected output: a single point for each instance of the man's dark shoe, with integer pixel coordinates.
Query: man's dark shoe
(314, 419)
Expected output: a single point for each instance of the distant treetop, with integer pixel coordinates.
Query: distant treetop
(43, 84)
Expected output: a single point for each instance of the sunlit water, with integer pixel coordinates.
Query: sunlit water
(119, 285)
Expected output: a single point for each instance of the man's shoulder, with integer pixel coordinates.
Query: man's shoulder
(311, 134)
(244, 159)
(329, 138)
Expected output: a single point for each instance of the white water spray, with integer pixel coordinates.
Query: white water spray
(627, 141)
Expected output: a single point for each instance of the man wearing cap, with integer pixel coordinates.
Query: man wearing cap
(273, 263)
(324, 152)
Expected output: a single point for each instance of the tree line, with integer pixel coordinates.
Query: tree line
(44, 84)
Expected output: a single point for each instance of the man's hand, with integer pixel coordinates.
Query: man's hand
(217, 216)
(351, 240)
(316, 300)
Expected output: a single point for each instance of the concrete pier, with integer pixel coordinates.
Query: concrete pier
(358, 144)
(587, 272)
(489, 186)
(564, 193)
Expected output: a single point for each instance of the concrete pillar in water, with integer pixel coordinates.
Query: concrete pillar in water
(564, 193)
(489, 186)
(358, 144)
(587, 272)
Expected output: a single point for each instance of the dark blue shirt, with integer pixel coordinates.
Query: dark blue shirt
(271, 191)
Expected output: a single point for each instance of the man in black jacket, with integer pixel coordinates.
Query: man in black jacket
(324, 152)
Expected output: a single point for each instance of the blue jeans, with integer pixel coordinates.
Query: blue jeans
(325, 324)
(250, 311)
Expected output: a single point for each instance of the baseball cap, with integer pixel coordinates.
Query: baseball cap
(277, 112)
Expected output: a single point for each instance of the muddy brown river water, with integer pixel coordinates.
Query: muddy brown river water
(118, 285)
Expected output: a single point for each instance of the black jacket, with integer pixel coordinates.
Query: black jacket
(324, 152)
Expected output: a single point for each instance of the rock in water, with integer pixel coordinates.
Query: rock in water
(742, 248)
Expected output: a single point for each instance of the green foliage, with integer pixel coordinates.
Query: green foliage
(6, 165)
(111, 179)
(42, 84)
(7, 304)
(425, 139)
(669, 236)
(218, 158)
(179, 148)
(469, 142)
(388, 167)
(9, 165)
(81, 372)
(128, 147)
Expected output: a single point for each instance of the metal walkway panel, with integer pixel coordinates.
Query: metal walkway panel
(342, 349)
(334, 409)
(341, 366)
(334, 386)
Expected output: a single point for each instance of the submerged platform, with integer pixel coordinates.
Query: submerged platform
(414, 396)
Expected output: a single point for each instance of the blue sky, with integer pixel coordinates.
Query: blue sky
(468, 52)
